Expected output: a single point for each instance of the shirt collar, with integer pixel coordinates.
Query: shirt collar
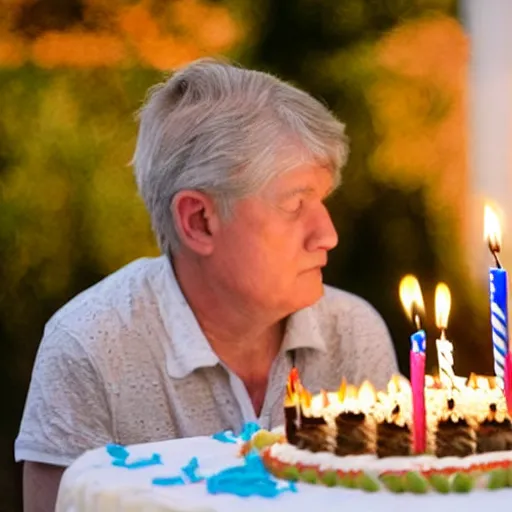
(188, 349)
(303, 330)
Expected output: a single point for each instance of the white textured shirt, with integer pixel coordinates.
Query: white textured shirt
(126, 361)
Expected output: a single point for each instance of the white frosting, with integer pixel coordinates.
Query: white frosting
(290, 454)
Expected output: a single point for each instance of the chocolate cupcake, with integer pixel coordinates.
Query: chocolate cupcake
(354, 434)
(394, 436)
(494, 434)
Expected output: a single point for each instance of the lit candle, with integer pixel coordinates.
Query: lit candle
(444, 347)
(292, 406)
(412, 301)
(498, 303)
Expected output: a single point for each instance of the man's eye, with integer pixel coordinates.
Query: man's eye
(294, 206)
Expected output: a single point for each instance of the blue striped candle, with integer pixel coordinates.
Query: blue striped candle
(499, 321)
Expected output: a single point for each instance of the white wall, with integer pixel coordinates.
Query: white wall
(489, 26)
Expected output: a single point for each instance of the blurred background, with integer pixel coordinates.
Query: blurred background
(422, 85)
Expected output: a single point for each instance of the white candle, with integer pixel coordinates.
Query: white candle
(444, 347)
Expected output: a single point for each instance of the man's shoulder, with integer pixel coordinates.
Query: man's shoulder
(350, 314)
(341, 302)
(116, 300)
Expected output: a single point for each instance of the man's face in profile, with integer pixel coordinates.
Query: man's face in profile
(271, 251)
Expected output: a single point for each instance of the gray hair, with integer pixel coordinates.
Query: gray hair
(226, 131)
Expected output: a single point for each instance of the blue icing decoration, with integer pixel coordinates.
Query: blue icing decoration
(227, 436)
(120, 454)
(167, 481)
(190, 471)
(117, 451)
(154, 460)
(251, 479)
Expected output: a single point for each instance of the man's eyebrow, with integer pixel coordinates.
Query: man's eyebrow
(297, 190)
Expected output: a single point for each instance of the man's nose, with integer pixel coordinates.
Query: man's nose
(323, 235)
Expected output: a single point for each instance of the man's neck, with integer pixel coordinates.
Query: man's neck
(246, 339)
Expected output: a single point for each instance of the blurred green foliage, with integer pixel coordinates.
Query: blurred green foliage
(69, 209)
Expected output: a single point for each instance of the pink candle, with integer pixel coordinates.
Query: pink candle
(412, 301)
(417, 368)
(507, 381)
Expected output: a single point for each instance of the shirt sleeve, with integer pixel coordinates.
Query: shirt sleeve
(376, 357)
(66, 412)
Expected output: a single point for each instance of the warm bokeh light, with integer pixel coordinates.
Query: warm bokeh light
(443, 304)
(492, 228)
(77, 49)
(161, 36)
(420, 107)
(12, 51)
(411, 297)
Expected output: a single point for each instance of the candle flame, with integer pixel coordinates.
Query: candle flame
(411, 298)
(383, 397)
(443, 305)
(342, 391)
(366, 394)
(293, 385)
(305, 398)
(294, 379)
(351, 392)
(294, 389)
(482, 382)
(471, 383)
(405, 385)
(492, 228)
(394, 385)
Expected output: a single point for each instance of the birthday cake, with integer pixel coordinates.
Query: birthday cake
(439, 437)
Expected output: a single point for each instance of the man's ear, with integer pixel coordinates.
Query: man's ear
(196, 220)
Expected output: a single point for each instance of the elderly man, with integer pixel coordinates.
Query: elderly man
(234, 167)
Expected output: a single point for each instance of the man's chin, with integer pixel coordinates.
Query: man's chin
(306, 299)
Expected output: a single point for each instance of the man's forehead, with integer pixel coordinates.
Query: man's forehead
(312, 178)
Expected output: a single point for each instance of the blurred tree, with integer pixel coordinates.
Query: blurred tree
(92, 33)
(35, 17)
